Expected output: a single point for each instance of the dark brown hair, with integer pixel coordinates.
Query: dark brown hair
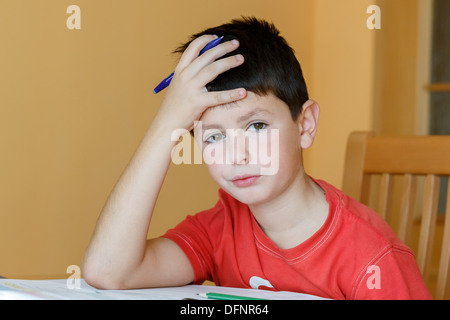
(270, 64)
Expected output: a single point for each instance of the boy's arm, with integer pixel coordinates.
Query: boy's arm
(119, 255)
(394, 276)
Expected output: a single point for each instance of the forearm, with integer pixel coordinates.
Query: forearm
(118, 244)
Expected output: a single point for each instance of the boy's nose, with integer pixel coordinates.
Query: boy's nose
(237, 148)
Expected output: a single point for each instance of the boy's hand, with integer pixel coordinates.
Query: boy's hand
(187, 97)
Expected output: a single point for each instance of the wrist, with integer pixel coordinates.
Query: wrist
(172, 127)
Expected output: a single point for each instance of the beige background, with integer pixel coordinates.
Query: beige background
(74, 104)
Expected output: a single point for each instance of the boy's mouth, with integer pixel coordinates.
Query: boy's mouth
(245, 180)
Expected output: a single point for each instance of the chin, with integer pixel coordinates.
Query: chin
(250, 195)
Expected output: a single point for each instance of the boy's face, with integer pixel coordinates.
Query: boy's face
(252, 148)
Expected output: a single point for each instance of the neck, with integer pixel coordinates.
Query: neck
(295, 215)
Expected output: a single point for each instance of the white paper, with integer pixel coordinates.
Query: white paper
(13, 289)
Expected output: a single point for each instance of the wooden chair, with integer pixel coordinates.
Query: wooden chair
(410, 157)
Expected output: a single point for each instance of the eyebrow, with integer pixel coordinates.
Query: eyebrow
(241, 119)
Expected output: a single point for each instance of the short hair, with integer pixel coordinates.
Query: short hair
(270, 64)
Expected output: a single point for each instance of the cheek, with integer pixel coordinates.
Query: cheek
(214, 154)
(279, 146)
(290, 151)
(264, 151)
(216, 172)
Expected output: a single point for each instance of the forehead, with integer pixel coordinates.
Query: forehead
(252, 105)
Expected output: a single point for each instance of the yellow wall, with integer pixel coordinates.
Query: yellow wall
(396, 68)
(341, 81)
(75, 104)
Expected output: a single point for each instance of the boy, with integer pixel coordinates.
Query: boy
(275, 229)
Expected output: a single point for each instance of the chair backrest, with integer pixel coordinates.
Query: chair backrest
(410, 157)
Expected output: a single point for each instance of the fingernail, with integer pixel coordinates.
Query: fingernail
(234, 42)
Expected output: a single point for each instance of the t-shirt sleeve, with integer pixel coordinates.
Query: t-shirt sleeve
(393, 275)
(192, 237)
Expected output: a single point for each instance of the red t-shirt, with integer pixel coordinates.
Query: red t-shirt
(354, 255)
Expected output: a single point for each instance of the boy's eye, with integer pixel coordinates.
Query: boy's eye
(215, 137)
(257, 126)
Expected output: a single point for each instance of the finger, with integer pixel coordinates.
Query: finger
(210, 56)
(216, 98)
(212, 71)
(193, 50)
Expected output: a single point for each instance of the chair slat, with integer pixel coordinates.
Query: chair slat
(384, 197)
(445, 252)
(430, 204)
(407, 207)
(364, 195)
(354, 163)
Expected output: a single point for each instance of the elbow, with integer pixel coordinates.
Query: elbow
(100, 282)
(100, 279)
(93, 278)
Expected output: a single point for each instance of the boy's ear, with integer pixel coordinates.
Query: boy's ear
(307, 123)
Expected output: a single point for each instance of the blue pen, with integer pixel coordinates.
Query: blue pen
(165, 83)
